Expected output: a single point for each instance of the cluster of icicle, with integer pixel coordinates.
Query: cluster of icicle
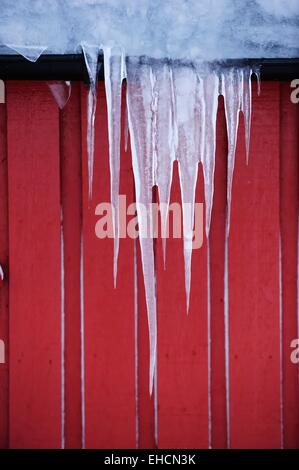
(171, 110)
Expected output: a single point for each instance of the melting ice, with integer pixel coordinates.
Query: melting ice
(172, 109)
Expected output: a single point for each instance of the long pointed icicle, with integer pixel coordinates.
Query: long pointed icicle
(91, 54)
(163, 143)
(61, 92)
(185, 89)
(232, 103)
(114, 73)
(139, 103)
(246, 100)
(210, 91)
(237, 92)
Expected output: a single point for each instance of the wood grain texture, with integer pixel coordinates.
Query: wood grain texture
(109, 312)
(47, 170)
(182, 343)
(71, 195)
(4, 253)
(34, 266)
(253, 265)
(289, 151)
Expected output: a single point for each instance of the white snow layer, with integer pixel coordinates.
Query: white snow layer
(203, 29)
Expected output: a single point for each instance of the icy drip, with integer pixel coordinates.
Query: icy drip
(31, 53)
(163, 142)
(91, 54)
(114, 74)
(209, 106)
(237, 93)
(61, 92)
(172, 115)
(185, 85)
(139, 102)
(231, 91)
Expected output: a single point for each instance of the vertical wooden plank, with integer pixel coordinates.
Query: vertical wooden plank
(108, 312)
(253, 265)
(182, 343)
(146, 419)
(71, 198)
(3, 285)
(217, 237)
(34, 266)
(289, 151)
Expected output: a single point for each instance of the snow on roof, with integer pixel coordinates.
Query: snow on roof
(201, 29)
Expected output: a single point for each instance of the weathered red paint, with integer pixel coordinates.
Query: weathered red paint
(289, 185)
(217, 238)
(254, 281)
(34, 266)
(71, 200)
(109, 312)
(4, 327)
(45, 173)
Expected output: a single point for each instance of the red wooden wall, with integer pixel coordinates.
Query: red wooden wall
(76, 370)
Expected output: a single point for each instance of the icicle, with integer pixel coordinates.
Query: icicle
(61, 92)
(139, 100)
(185, 89)
(209, 105)
(114, 73)
(232, 102)
(163, 143)
(256, 70)
(1, 273)
(91, 54)
(246, 99)
(31, 53)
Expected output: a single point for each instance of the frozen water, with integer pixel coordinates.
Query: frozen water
(91, 55)
(61, 92)
(139, 104)
(114, 67)
(31, 52)
(203, 29)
